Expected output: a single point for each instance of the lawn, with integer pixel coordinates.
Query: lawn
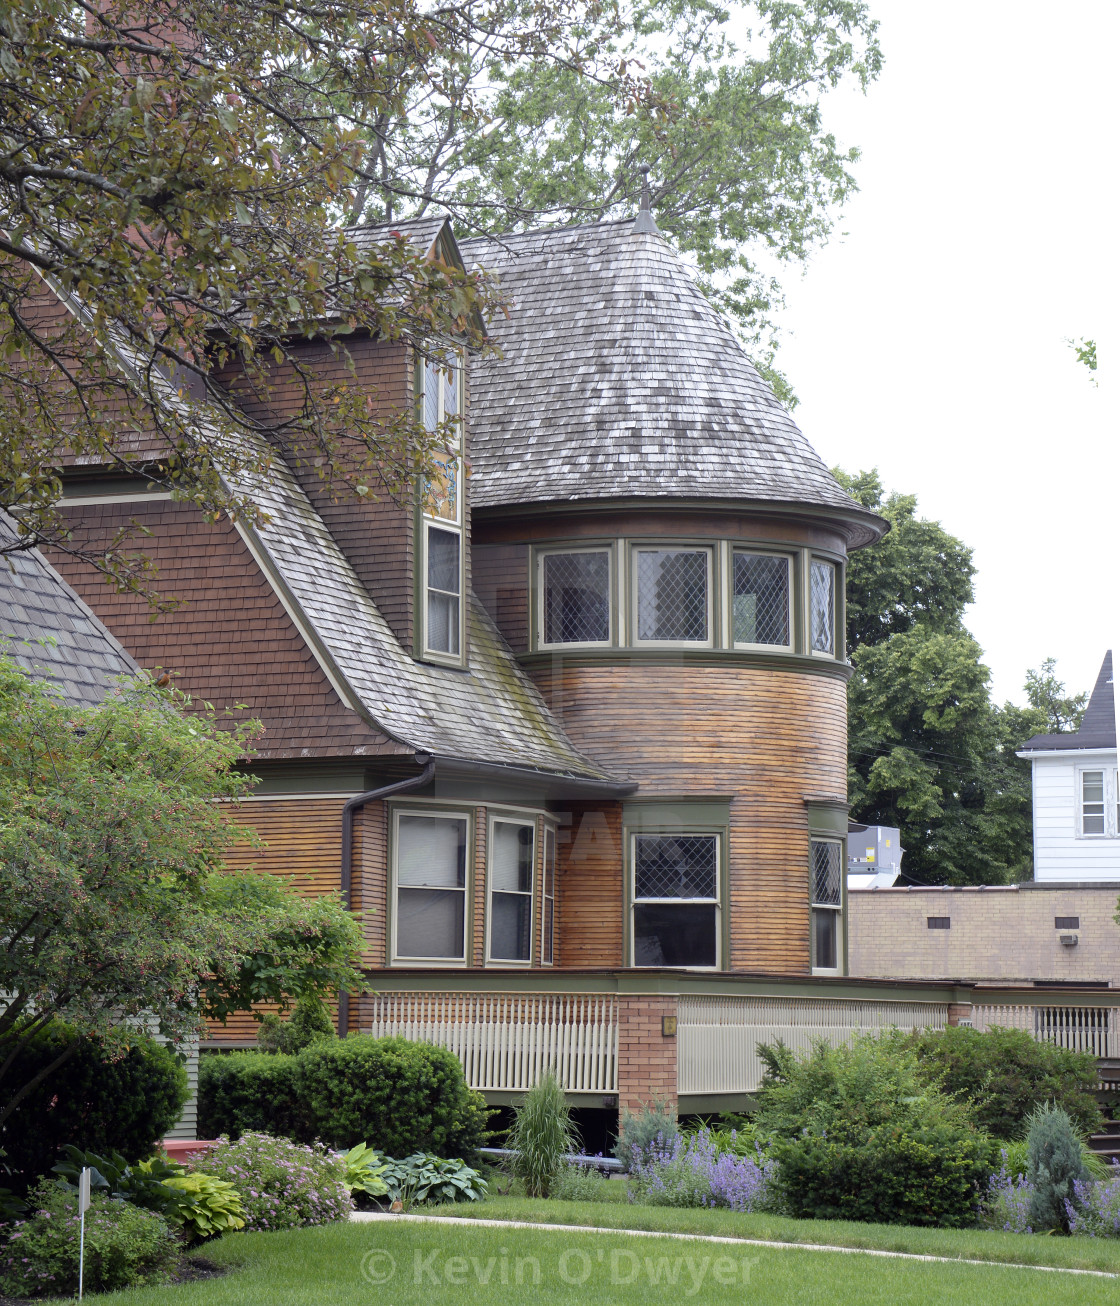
(399, 1263)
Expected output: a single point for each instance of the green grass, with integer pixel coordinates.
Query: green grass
(312, 1267)
(973, 1244)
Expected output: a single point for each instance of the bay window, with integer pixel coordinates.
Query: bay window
(430, 886)
(675, 899)
(575, 590)
(760, 599)
(671, 588)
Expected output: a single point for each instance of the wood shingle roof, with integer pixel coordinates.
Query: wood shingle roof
(618, 379)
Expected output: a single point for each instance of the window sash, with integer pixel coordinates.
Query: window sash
(443, 607)
(827, 864)
(654, 611)
(556, 612)
(826, 938)
(430, 886)
(513, 848)
(822, 607)
(548, 902)
(745, 619)
(681, 929)
(1093, 803)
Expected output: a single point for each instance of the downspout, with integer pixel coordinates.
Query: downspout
(359, 800)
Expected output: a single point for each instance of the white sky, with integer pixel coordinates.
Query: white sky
(929, 340)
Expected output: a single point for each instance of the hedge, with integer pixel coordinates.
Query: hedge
(96, 1103)
(249, 1092)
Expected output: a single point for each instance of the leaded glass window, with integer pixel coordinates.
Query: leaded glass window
(431, 886)
(676, 899)
(826, 859)
(822, 606)
(512, 847)
(576, 597)
(760, 599)
(672, 590)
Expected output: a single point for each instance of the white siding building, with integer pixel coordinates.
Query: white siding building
(1076, 797)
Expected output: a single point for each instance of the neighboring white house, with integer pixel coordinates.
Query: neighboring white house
(1076, 798)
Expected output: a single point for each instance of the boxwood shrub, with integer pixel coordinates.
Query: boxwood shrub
(92, 1101)
(249, 1092)
(398, 1096)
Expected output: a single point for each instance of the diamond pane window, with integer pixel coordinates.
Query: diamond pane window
(576, 597)
(827, 865)
(672, 589)
(822, 606)
(760, 599)
(675, 866)
(1092, 802)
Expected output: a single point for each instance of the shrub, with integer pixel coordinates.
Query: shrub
(124, 1246)
(1095, 1207)
(640, 1133)
(283, 1185)
(1054, 1166)
(126, 1104)
(401, 1097)
(1007, 1074)
(579, 1183)
(427, 1178)
(541, 1136)
(242, 1092)
(310, 1022)
(691, 1171)
(859, 1135)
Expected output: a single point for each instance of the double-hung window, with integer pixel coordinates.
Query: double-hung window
(575, 597)
(822, 607)
(760, 599)
(430, 886)
(1098, 802)
(442, 520)
(676, 920)
(548, 898)
(672, 588)
(512, 854)
(826, 858)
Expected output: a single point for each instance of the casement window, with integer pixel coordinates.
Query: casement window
(512, 856)
(441, 542)
(548, 900)
(1098, 803)
(575, 597)
(672, 588)
(826, 857)
(430, 886)
(675, 907)
(822, 607)
(760, 599)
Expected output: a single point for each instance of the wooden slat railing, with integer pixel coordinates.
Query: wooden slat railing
(1079, 1028)
(507, 1041)
(718, 1037)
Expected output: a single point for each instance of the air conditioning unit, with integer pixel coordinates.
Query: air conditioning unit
(1068, 940)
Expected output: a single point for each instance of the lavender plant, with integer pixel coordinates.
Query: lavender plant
(692, 1170)
(1008, 1201)
(1095, 1208)
(283, 1185)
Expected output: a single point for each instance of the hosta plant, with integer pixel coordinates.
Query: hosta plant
(212, 1206)
(426, 1178)
(365, 1170)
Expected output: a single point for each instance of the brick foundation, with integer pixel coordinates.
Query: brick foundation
(647, 1059)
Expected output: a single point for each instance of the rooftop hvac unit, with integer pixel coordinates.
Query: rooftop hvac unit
(874, 856)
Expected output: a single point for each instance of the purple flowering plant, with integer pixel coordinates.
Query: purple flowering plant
(694, 1170)
(1095, 1209)
(283, 1185)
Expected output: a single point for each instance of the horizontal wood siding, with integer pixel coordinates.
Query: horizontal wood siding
(231, 642)
(589, 903)
(765, 738)
(501, 581)
(1060, 853)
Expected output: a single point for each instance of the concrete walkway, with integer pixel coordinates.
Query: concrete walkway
(371, 1217)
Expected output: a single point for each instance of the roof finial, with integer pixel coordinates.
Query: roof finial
(644, 221)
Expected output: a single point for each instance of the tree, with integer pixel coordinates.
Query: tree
(745, 175)
(176, 172)
(928, 751)
(115, 910)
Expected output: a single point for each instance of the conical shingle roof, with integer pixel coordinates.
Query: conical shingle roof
(618, 379)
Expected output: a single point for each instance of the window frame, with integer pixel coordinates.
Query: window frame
(718, 903)
(526, 821)
(837, 908)
(709, 549)
(834, 567)
(395, 958)
(1110, 801)
(428, 521)
(612, 595)
(791, 572)
(549, 835)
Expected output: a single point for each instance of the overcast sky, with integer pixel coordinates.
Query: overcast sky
(929, 340)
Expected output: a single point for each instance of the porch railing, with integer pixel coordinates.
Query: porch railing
(507, 1041)
(1078, 1028)
(718, 1037)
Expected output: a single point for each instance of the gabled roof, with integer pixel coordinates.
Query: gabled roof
(50, 632)
(618, 379)
(1098, 726)
(422, 232)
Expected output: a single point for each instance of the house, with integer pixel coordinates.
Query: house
(1076, 803)
(569, 725)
